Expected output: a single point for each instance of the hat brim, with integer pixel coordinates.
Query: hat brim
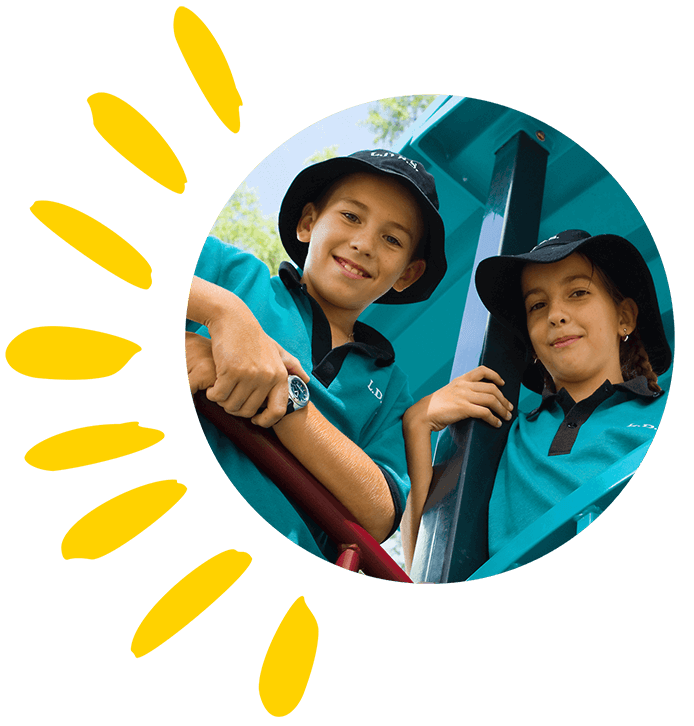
(310, 183)
(498, 282)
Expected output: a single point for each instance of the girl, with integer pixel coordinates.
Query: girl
(587, 309)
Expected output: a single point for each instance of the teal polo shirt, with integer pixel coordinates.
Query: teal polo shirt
(357, 386)
(562, 444)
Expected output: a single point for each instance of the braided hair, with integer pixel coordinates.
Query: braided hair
(634, 361)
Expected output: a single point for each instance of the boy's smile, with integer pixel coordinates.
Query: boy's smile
(362, 234)
(351, 269)
(574, 324)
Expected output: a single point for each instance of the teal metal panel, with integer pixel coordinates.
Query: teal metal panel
(456, 139)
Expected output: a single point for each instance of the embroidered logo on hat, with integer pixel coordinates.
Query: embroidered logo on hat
(563, 238)
(400, 157)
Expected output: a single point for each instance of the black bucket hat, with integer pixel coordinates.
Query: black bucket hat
(498, 282)
(312, 181)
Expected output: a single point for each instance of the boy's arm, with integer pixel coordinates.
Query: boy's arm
(341, 466)
(250, 370)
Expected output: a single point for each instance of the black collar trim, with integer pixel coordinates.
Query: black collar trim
(326, 360)
(637, 386)
(576, 414)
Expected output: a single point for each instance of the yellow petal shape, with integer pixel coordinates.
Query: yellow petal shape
(188, 598)
(118, 520)
(90, 445)
(208, 66)
(95, 241)
(134, 137)
(68, 353)
(289, 660)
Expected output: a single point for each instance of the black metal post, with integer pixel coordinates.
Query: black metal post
(452, 541)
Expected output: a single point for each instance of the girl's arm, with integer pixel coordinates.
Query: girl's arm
(473, 395)
(419, 456)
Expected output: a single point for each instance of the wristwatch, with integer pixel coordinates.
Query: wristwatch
(298, 394)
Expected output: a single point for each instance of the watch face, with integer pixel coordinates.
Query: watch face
(299, 390)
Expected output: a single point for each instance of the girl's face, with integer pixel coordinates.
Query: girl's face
(574, 324)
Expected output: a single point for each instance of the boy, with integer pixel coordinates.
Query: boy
(361, 229)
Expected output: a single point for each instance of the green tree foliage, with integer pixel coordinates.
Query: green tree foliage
(329, 152)
(243, 224)
(389, 117)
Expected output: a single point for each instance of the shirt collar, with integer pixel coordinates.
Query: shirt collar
(366, 339)
(290, 275)
(636, 386)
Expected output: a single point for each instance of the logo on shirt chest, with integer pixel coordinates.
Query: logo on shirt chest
(376, 392)
(642, 426)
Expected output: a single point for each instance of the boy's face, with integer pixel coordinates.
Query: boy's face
(574, 324)
(361, 241)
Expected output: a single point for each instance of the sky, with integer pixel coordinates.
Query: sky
(275, 173)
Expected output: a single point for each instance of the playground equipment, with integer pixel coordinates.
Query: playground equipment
(505, 181)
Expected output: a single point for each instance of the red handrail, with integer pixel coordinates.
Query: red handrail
(266, 451)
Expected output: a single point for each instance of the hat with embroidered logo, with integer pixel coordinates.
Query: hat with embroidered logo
(498, 282)
(310, 183)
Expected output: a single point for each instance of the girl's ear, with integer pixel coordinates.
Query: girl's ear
(628, 314)
(306, 222)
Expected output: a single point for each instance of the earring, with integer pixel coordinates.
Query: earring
(626, 336)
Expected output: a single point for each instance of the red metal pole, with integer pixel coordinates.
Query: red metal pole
(266, 451)
(350, 558)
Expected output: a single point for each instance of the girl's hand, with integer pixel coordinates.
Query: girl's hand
(473, 395)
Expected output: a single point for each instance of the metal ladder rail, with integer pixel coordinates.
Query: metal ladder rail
(452, 540)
